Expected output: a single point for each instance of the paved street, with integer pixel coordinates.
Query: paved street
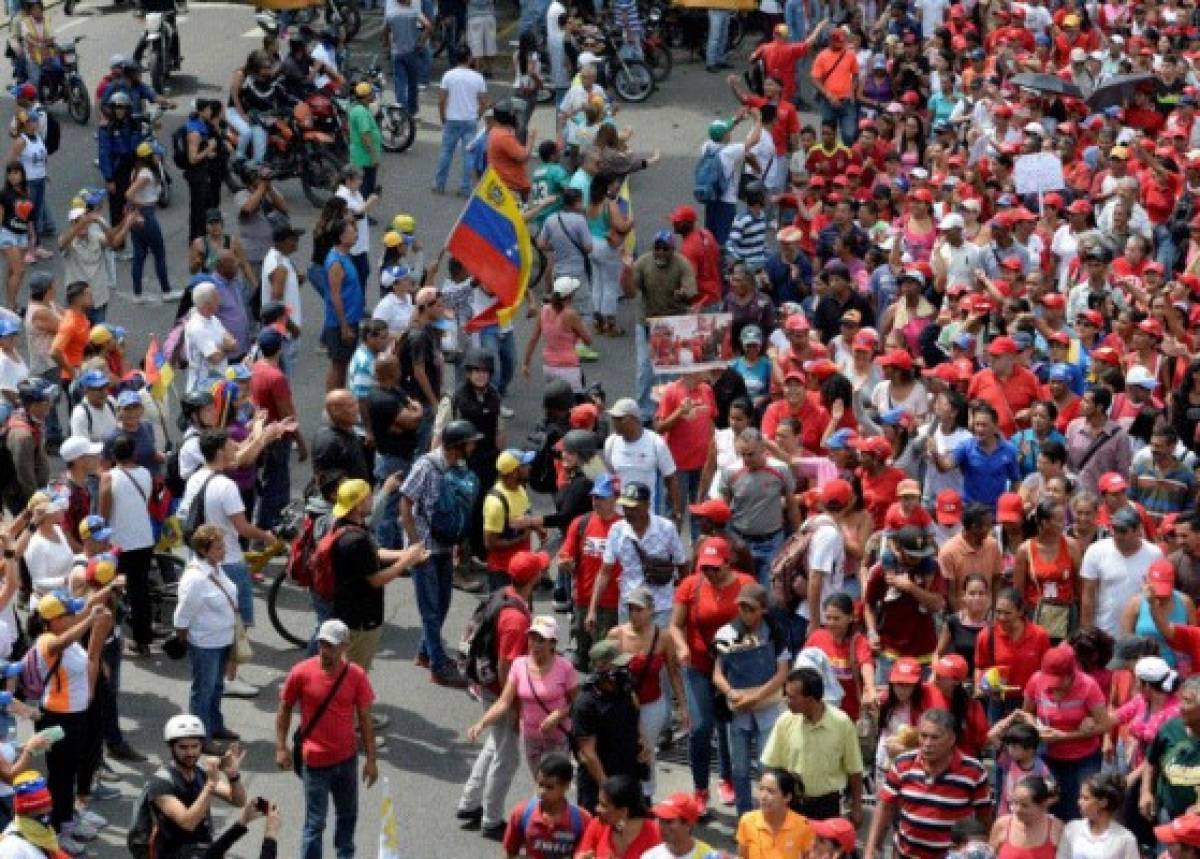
(427, 757)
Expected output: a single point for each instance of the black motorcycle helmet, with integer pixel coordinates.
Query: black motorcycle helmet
(558, 396)
(460, 432)
(479, 359)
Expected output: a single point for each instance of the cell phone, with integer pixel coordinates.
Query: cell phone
(262, 804)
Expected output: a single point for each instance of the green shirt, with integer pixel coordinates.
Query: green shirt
(1175, 755)
(549, 180)
(361, 121)
(824, 754)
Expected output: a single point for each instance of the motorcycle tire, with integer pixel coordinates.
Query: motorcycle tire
(320, 176)
(164, 187)
(154, 60)
(660, 61)
(79, 103)
(737, 32)
(633, 81)
(397, 128)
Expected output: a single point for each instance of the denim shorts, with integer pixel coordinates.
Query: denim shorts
(239, 574)
(339, 351)
(9, 239)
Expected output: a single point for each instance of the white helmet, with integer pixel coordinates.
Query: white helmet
(183, 727)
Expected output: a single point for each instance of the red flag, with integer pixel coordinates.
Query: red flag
(485, 317)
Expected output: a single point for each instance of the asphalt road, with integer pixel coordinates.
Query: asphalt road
(427, 756)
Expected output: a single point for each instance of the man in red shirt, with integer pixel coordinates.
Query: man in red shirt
(700, 248)
(1007, 386)
(551, 826)
(334, 696)
(786, 128)
(482, 800)
(880, 481)
(687, 411)
(506, 153)
(779, 57)
(270, 390)
(582, 556)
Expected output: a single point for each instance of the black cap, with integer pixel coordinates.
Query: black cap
(272, 312)
(285, 231)
(633, 494)
(213, 215)
(913, 541)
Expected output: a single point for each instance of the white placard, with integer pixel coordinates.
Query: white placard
(1038, 172)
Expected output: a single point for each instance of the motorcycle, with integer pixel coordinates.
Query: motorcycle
(341, 15)
(617, 65)
(682, 27)
(655, 49)
(296, 148)
(61, 81)
(158, 50)
(396, 126)
(149, 126)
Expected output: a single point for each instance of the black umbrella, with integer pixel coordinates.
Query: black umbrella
(1119, 90)
(1051, 84)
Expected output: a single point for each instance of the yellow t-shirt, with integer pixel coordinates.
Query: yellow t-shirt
(493, 510)
(757, 841)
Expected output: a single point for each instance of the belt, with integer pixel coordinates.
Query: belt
(756, 538)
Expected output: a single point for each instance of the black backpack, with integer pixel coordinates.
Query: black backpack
(179, 148)
(478, 651)
(542, 475)
(195, 512)
(53, 134)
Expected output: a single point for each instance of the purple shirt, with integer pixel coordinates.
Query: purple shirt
(232, 311)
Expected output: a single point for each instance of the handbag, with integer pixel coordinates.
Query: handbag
(656, 571)
(301, 733)
(240, 652)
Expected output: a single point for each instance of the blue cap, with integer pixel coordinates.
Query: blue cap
(95, 528)
(270, 338)
(664, 237)
(977, 54)
(839, 440)
(393, 274)
(1023, 339)
(602, 486)
(118, 331)
(6, 698)
(525, 457)
(1060, 373)
(1112, 112)
(93, 196)
(902, 183)
(443, 324)
(125, 399)
(893, 417)
(9, 326)
(1043, 40)
(9, 670)
(963, 340)
(94, 379)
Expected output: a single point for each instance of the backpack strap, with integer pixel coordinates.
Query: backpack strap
(576, 820)
(580, 535)
(526, 816)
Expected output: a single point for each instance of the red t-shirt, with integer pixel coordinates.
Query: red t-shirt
(688, 439)
(544, 837)
(332, 740)
(708, 609)
(702, 251)
(976, 730)
(597, 840)
(510, 158)
(1066, 714)
(843, 665)
(512, 627)
(268, 385)
(1018, 660)
(1007, 396)
(1186, 642)
(905, 628)
(787, 120)
(587, 550)
(879, 491)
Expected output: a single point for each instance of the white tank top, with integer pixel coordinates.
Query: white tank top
(129, 520)
(33, 157)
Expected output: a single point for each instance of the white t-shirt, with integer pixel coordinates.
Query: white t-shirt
(732, 155)
(103, 421)
(203, 336)
(1078, 842)
(15, 847)
(397, 312)
(13, 371)
(1119, 577)
(1066, 247)
(191, 459)
(641, 461)
(291, 289)
(937, 480)
(663, 852)
(827, 553)
(128, 518)
(772, 162)
(325, 54)
(932, 14)
(463, 87)
(49, 561)
(222, 502)
(355, 202)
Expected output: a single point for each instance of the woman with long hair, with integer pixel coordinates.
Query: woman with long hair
(622, 827)
(1028, 830)
(16, 227)
(608, 226)
(1042, 416)
(325, 236)
(948, 691)
(849, 653)
(941, 436)
(900, 706)
(774, 821)
(1046, 571)
(29, 149)
(1014, 647)
(723, 457)
(238, 116)
(961, 630)
(1096, 834)
(341, 274)
(143, 194)
(564, 331)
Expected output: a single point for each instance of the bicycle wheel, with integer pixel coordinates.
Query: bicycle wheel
(284, 602)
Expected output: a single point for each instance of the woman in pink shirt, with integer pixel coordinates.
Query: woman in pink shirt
(1156, 703)
(560, 324)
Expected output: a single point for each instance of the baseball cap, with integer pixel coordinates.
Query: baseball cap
(951, 667)
(94, 379)
(952, 221)
(905, 670)
(351, 494)
(512, 459)
(126, 399)
(94, 528)
(752, 593)
(840, 439)
(948, 507)
(681, 806)
(333, 631)
(1023, 339)
(1141, 377)
(57, 604)
(874, 445)
(633, 494)
(913, 541)
(1126, 517)
(1059, 373)
(908, 488)
(1182, 830)
(604, 486)
(837, 493)
(270, 338)
(1010, 508)
(713, 509)
(1111, 481)
(1003, 346)
(626, 407)
(683, 215)
(1161, 578)
(837, 829)
(609, 653)
(524, 566)
(394, 274)
(1059, 661)
(77, 446)
(895, 358)
(714, 550)
(545, 626)
(640, 596)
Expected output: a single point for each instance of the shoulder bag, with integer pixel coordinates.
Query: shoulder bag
(301, 733)
(241, 652)
(656, 571)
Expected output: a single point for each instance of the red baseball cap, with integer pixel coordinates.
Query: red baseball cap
(797, 322)
(822, 368)
(1055, 300)
(951, 667)
(683, 215)
(1010, 508)
(677, 806)
(1182, 830)
(1011, 263)
(1161, 578)
(895, 358)
(584, 416)
(1059, 661)
(1003, 345)
(905, 670)
(837, 493)
(1092, 317)
(1060, 337)
(838, 829)
(714, 509)
(1107, 355)
(864, 341)
(714, 549)
(1111, 481)
(948, 507)
(875, 445)
(524, 566)
(1152, 327)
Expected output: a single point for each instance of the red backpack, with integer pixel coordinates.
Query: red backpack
(299, 562)
(323, 579)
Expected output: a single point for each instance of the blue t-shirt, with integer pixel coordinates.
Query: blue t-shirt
(352, 292)
(757, 376)
(986, 476)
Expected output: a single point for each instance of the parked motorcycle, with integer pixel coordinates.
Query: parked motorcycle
(617, 64)
(682, 27)
(341, 15)
(158, 50)
(296, 148)
(396, 125)
(61, 81)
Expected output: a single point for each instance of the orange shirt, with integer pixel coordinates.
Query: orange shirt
(71, 338)
(835, 71)
(510, 158)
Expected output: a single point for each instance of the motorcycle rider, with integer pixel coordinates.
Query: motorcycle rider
(167, 9)
(118, 140)
(115, 65)
(259, 94)
(32, 42)
(130, 82)
(205, 157)
(300, 69)
(325, 54)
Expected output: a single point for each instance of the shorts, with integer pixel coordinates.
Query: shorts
(364, 643)
(9, 239)
(481, 36)
(339, 351)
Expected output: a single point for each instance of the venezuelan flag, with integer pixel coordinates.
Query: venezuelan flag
(157, 369)
(492, 242)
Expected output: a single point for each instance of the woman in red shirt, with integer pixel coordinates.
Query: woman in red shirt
(622, 827)
(947, 692)
(1015, 646)
(849, 653)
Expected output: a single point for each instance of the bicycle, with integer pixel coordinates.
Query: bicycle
(285, 597)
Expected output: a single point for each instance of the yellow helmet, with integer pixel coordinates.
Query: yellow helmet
(144, 150)
(404, 223)
(392, 239)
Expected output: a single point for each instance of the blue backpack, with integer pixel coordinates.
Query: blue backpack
(450, 518)
(710, 178)
(572, 811)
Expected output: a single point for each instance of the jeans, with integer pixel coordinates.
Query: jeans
(718, 217)
(424, 54)
(239, 574)
(1070, 776)
(606, 278)
(718, 37)
(251, 136)
(845, 115)
(432, 582)
(746, 739)
(456, 133)
(208, 683)
(148, 239)
(503, 346)
(41, 212)
(494, 767)
(341, 782)
(651, 719)
(109, 690)
(406, 69)
(274, 482)
(794, 17)
(134, 565)
(689, 489)
(763, 550)
(702, 712)
(370, 180)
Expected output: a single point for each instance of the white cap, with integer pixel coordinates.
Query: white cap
(919, 173)
(566, 285)
(77, 446)
(1078, 55)
(76, 214)
(545, 626)
(952, 221)
(1117, 40)
(1035, 128)
(971, 203)
(587, 58)
(334, 632)
(1151, 669)
(1140, 376)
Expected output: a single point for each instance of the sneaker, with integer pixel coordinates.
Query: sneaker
(586, 352)
(506, 412)
(448, 677)
(700, 797)
(237, 688)
(469, 814)
(494, 831)
(125, 752)
(81, 831)
(422, 661)
(104, 792)
(69, 845)
(91, 818)
(173, 295)
(725, 791)
(379, 721)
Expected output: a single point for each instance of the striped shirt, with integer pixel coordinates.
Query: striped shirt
(929, 806)
(1162, 492)
(748, 239)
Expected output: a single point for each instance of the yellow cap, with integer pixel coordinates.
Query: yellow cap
(362, 89)
(77, 203)
(101, 334)
(57, 604)
(144, 150)
(404, 223)
(392, 239)
(350, 494)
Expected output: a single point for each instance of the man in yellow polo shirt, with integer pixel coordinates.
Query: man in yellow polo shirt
(818, 743)
(506, 521)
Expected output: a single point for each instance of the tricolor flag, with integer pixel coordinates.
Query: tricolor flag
(158, 370)
(389, 824)
(492, 242)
